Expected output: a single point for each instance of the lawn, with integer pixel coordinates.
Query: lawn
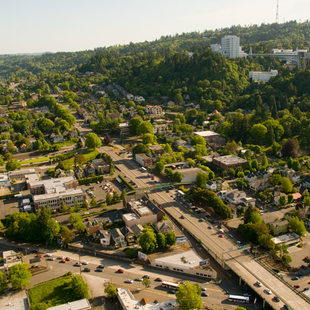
(88, 155)
(52, 293)
(35, 160)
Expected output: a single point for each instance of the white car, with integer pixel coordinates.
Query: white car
(48, 255)
(84, 262)
(267, 291)
(258, 284)
(129, 281)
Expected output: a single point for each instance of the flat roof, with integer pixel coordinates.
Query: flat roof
(285, 238)
(130, 217)
(82, 304)
(69, 192)
(185, 260)
(206, 133)
(22, 171)
(230, 159)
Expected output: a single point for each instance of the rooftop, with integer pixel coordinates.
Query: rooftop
(230, 159)
(130, 217)
(285, 238)
(68, 192)
(81, 304)
(22, 171)
(207, 133)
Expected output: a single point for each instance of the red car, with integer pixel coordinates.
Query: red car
(120, 270)
(296, 285)
(62, 261)
(221, 235)
(68, 258)
(39, 255)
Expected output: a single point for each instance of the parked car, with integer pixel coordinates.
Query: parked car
(267, 291)
(139, 279)
(62, 261)
(120, 270)
(39, 255)
(221, 235)
(306, 289)
(99, 270)
(51, 258)
(146, 276)
(129, 281)
(158, 280)
(100, 266)
(204, 294)
(84, 262)
(258, 284)
(77, 264)
(68, 259)
(86, 269)
(296, 285)
(276, 299)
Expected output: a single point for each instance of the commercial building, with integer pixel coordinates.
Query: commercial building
(259, 76)
(20, 174)
(186, 262)
(229, 161)
(4, 180)
(82, 304)
(144, 160)
(54, 192)
(209, 136)
(189, 175)
(288, 239)
(128, 302)
(230, 47)
(142, 211)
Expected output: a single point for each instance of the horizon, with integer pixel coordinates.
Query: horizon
(73, 25)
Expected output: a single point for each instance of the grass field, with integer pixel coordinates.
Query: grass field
(35, 160)
(88, 155)
(53, 293)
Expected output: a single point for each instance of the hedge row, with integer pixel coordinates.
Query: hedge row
(86, 181)
(126, 183)
(8, 196)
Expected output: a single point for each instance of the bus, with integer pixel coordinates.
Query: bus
(171, 285)
(237, 298)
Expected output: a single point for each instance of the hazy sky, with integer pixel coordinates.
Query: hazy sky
(70, 25)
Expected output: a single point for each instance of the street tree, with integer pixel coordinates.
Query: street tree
(66, 235)
(80, 287)
(12, 164)
(3, 282)
(146, 282)
(297, 225)
(170, 238)
(93, 202)
(188, 296)
(19, 276)
(148, 241)
(108, 198)
(161, 240)
(110, 291)
(92, 141)
(202, 179)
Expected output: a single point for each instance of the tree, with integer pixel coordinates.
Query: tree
(287, 185)
(144, 128)
(240, 308)
(146, 282)
(3, 282)
(282, 200)
(252, 216)
(92, 141)
(258, 133)
(19, 276)
(123, 194)
(202, 179)
(170, 238)
(297, 225)
(290, 198)
(290, 148)
(93, 202)
(79, 287)
(108, 198)
(161, 240)
(110, 291)
(66, 235)
(188, 296)
(115, 196)
(286, 259)
(12, 164)
(134, 125)
(77, 222)
(149, 138)
(265, 241)
(177, 177)
(159, 166)
(148, 241)
(51, 230)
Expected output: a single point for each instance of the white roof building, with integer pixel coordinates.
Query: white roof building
(82, 304)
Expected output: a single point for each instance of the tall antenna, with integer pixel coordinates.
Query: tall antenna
(277, 14)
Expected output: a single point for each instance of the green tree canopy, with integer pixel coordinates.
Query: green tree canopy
(92, 141)
(148, 241)
(110, 291)
(188, 296)
(19, 276)
(297, 225)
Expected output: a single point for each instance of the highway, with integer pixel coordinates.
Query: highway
(223, 249)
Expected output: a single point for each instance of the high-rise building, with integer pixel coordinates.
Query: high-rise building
(231, 47)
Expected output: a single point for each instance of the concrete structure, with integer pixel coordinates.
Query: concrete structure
(4, 180)
(229, 161)
(230, 47)
(82, 304)
(128, 302)
(186, 262)
(259, 76)
(20, 174)
(288, 239)
(53, 192)
(144, 160)
(142, 211)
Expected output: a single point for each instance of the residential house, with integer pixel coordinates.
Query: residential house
(128, 234)
(163, 226)
(118, 237)
(156, 149)
(236, 197)
(124, 129)
(229, 161)
(212, 185)
(153, 109)
(160, 128)
(103, 236)
(56, 138)
(90, 169)
(101, 167)
(137, 229)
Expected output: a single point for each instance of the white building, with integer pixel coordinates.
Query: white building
(259, 76)
(128, 302)
(82, 304)
(231, 47)
(186, 262)
(4, 180)
(153, 109)
(20, 174)
(288, 239)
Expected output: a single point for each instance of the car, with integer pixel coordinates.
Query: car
(299, 274)
(146, 276)
(86, 269)
(77, 264)
(221, 236)
(230, 235)
(238, 242)
(258, 284)
(138, 279)
(210, 227)
(295, 278)
(276, 299)
(39, 255)
(62, 261)
(267, 291)
(120, 270)
(98, 270)
(287, 307)
(204, 294)
(51, 258)
(203, 288)
(84, 262)
(306, 289)
(100, 266)
(68, 259)
(200, 220)
(171, 292)
(158, 280)
(182, 217)
(219, 226)
(296, 285)
(129, 281)
(48, 255)
(60, 257)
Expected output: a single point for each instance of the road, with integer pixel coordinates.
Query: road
(223, 249)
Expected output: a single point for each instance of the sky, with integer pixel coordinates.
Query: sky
(35, 26)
